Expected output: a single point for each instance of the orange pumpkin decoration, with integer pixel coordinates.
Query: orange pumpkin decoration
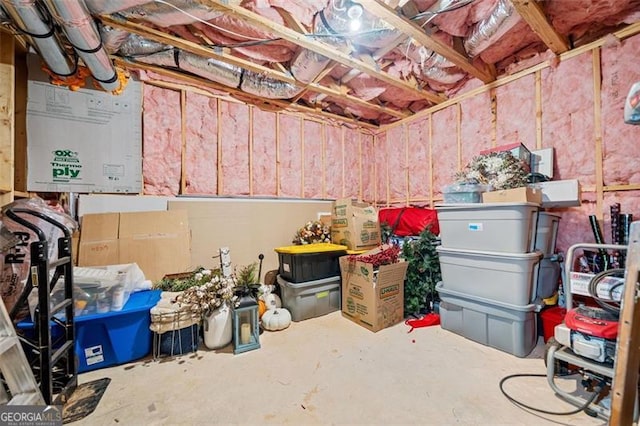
(262, 307)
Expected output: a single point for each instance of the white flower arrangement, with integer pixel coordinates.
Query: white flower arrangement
(501, 170)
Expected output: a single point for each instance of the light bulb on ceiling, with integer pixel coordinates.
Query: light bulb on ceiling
(354, 12)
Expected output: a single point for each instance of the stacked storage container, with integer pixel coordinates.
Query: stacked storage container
(309, 279)
(490, 266)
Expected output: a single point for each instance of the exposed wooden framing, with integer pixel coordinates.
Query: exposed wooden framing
(202, 82)
(219, 146)
(301, 158)
(318, 47)
(597, 129)
(323, 134)
(406, 163)
(538, 80)
(360, 174)
(533, 14)
(628, 187)
(459, 135)
(627, 358)
(430, 133)
(251, 107)
(277, 154)
(183, 141)
(376, 200)
(206, 52)
(7, 130)
(384, 12)
(20, 123)
(494, 117)
(626, 32)
(342, 137)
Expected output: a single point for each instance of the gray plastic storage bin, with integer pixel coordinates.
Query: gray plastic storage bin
(503, 277)
(509, 328)
(310, 299)
(503, 227)
(547, 232)
(548, 278)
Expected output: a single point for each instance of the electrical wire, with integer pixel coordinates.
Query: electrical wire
(206, 22)
(613, 308)
(539, 410)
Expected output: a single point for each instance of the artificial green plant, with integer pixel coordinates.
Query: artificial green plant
(423, 273)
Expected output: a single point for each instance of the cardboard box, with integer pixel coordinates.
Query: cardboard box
(560, 193)
(524, 194)
(158, 241)
(374, 300)
(517, 149)
(354, 225)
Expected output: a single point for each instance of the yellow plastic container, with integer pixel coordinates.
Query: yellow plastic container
(310, 262)
(310, 248)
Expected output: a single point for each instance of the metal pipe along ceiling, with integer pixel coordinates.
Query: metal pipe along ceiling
(38, 29)
(82, 33)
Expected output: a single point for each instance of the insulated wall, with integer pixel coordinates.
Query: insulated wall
(574, 105)
(198, 143)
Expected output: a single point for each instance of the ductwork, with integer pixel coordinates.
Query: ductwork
(492, 28)
(83, 35)
(159, 12)
(38, 28)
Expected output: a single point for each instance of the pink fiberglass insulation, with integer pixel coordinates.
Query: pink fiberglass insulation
(621, 151)
(234, 139)
(444, 149)
(565, 15)
(333, 161)
(574, 226)
(313, 159)
(517, 38)
(264, 153)
(381, 162)
(351, 163)
(290, 150)
(201, 162)
(162, 141)
(303, 11)
(368, 168)
(475, 126)
(419, 170)
(397, 162)
(516, 112)
(567, 118)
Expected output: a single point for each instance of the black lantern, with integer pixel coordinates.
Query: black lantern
(246, 329)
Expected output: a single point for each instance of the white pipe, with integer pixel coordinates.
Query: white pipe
(83, 34)
(28, 18)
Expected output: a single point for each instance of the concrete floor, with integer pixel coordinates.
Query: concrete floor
(328, 370)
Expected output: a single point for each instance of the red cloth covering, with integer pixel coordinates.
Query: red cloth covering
(408, 221)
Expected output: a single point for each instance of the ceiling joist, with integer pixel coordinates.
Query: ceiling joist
(207, 52)
(485, 73)
(318, 47)
(533, 15)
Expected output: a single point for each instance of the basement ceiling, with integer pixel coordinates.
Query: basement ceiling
(371, 61)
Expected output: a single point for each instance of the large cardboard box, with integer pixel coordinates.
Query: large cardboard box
(516, 195)
(354, 224)
(158, 241)
(375, 300)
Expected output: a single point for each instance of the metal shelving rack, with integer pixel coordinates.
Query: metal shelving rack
(52, 362)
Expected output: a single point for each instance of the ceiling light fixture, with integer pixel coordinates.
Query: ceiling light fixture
(354, 12)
